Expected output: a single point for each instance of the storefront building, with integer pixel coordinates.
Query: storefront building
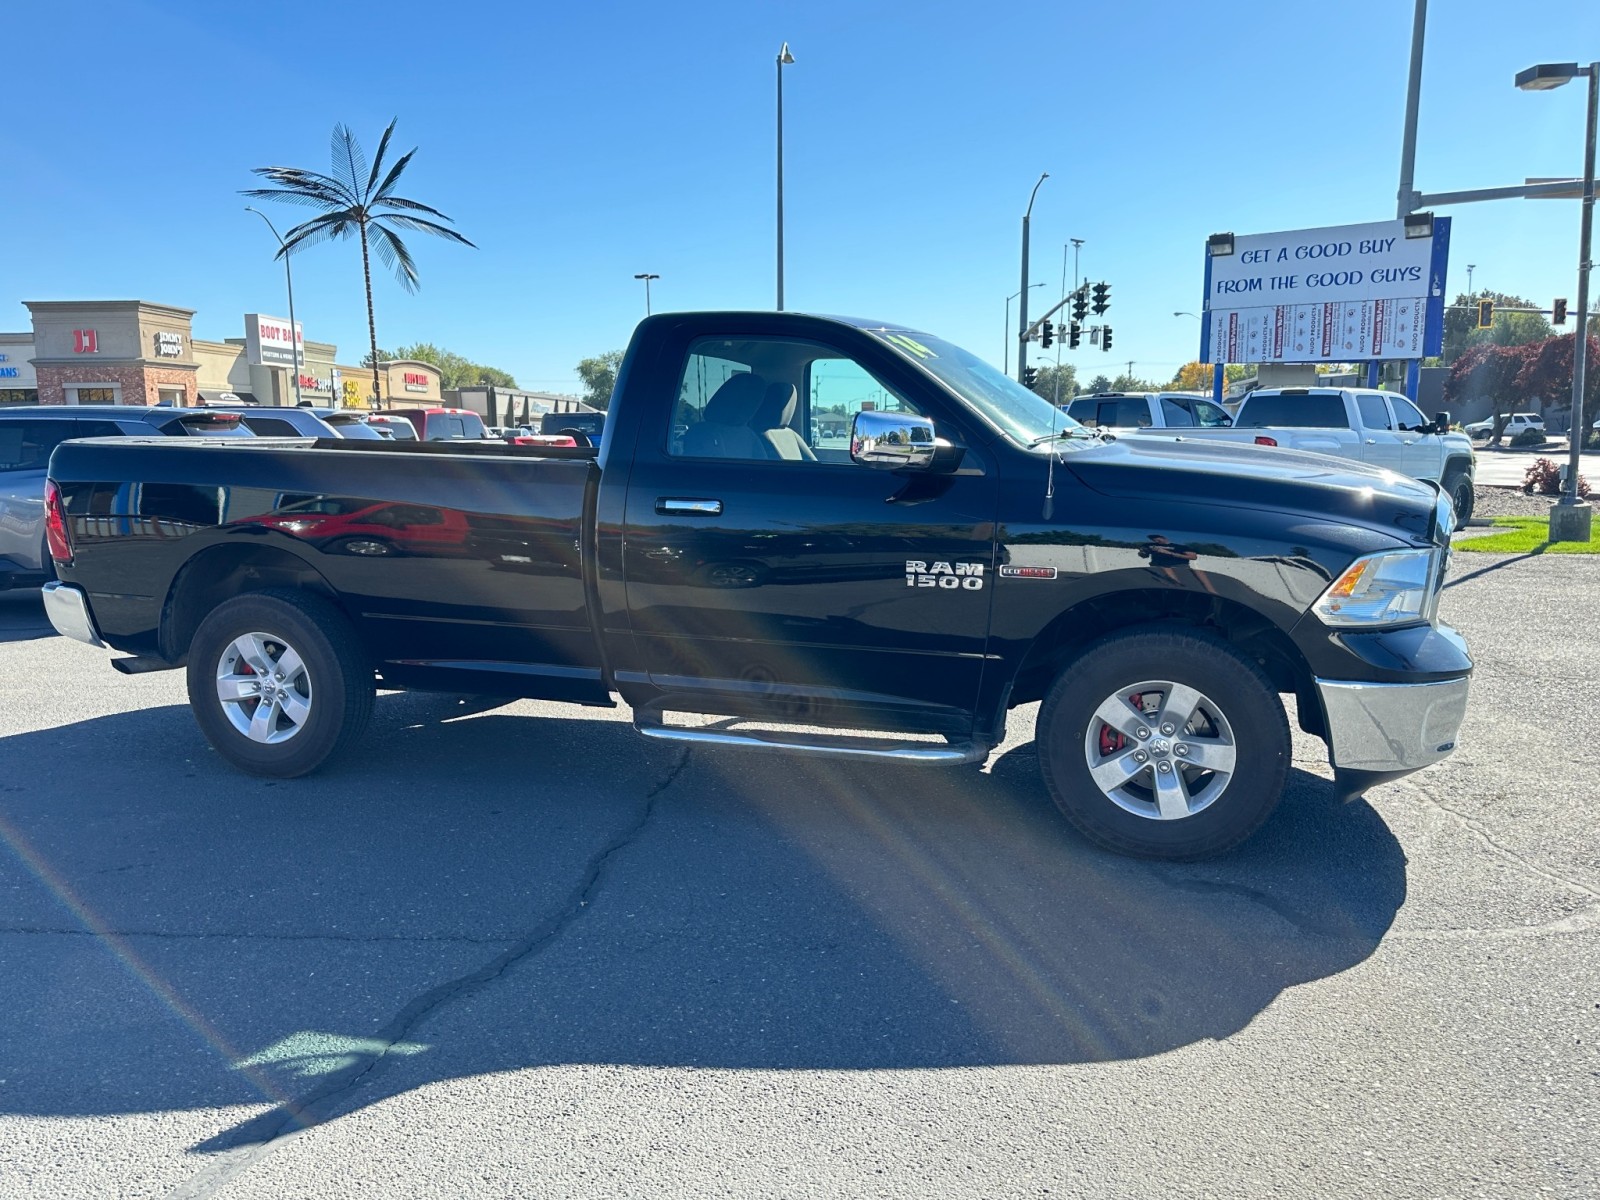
(112, 352)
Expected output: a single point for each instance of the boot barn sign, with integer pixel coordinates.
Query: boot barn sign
(1347, 293)
(268, 342)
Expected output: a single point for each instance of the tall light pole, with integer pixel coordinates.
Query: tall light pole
(647, 278)
(294, 332)
(1471, 267)
(1570, 520)
(783, 57)
(1006, 367)
(1022, 304)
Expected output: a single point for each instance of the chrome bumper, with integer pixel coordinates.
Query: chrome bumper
(68, 610)
(1392, 729)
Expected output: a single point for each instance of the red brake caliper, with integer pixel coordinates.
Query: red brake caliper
(1110, 739)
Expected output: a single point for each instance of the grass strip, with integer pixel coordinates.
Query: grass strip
(1527, 535)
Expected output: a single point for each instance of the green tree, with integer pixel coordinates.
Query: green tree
(455, 370)
(1461, 331)
(356, 200)
(1047, 381)
(1132, 383)
(599, 375)
(1100, 383)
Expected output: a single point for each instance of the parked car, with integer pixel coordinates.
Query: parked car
(27, 438)
(979, 551)
(1124, 412)
(348, 423)
(441, 424)
(1517, 423)
(1382, 429)
(272, 420)
(391, 426)
(591, 425)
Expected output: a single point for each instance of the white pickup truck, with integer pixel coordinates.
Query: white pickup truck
(1381, 428)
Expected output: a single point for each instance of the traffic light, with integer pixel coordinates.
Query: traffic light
(1485, 313)
(1102, 298)
(1047, 336)
(1074, 335)
(1105, 338)
(1029, 374)
(1559, 316)
(1080, 303)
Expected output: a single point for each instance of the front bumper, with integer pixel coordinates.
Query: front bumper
(68, 610)
(1381, 731)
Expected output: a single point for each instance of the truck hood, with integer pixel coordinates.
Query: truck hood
(1259, 477)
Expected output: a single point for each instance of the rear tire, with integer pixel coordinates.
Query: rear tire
(278, 682)
(1197, 711)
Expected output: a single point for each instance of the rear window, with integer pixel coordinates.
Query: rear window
(1129, 412)
(592, 424)
(207, 424)
(1307, 412)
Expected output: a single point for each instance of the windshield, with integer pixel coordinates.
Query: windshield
(1022, 415)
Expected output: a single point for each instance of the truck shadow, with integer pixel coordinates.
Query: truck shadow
(22, 616)
(480, 892)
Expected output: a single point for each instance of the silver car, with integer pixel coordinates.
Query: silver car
(28, 435)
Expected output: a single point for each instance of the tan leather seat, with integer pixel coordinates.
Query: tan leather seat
(724, 428)
(772, 423)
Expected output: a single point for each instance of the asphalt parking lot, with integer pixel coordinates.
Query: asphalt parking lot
(521, 952)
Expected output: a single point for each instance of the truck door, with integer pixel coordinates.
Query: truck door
(766, 569)
(1422, 454)
(1380, 444)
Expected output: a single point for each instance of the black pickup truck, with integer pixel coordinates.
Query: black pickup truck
(854, 532)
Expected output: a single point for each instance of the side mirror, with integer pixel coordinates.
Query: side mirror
(892, 441)
(1441, 422)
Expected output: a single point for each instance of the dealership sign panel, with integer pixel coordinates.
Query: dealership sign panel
(1347, 293)
(268, 342)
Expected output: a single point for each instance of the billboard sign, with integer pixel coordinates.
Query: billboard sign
(1346, 293)
(267, 342)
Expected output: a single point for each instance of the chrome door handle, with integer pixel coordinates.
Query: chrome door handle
(1372, 441)
(685, 506)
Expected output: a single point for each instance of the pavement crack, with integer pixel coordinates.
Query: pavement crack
(258, 1137)
(1477, 830)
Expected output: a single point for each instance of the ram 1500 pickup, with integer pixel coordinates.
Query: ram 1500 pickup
(891, 593)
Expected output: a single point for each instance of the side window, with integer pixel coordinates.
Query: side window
(1407, 414)
(1132, 413)
(1209, 416)
(772, 400)
(26, 445)
(1374, 412)
(1175, 415)
(88, 429)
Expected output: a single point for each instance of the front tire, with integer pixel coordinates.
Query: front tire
(1462, 496)
(1168, 745)
(278, 682)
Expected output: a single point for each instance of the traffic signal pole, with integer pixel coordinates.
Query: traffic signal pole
(1022, 300)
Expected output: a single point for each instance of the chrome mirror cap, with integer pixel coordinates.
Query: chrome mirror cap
(892, 441)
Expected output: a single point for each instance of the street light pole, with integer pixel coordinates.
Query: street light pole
(1006, 366)
(294, 330)
(1471, 267)
(783, 57)
(1022, 303)
(647, 278)
(1570, 519)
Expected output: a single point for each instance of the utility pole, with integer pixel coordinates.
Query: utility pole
(1022, 302)
(783, 57)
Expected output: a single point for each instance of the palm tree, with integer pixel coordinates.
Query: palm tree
(355, 202)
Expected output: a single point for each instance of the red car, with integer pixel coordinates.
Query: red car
(341, 526)
(440, 424)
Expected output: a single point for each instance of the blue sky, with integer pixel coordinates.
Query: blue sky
(580, 144)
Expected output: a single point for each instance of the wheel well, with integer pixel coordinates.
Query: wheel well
(219, 574)
(1065, 638)
(1458, 465)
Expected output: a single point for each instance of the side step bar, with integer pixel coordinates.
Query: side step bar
(840, 747)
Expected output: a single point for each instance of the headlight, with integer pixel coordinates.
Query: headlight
(1382, 589)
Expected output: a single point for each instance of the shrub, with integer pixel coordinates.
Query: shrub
(1544, 478)
(1528, 437)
